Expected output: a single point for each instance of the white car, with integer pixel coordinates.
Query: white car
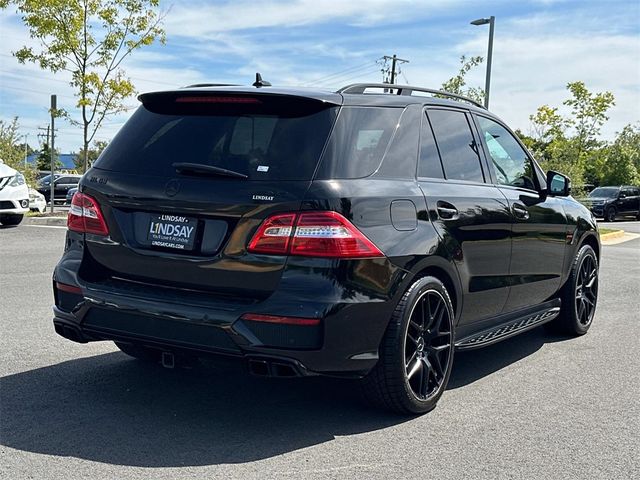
(37, 202)
(14, 195)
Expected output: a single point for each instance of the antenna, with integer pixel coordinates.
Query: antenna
(259, 82)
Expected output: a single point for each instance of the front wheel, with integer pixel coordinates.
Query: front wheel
(610, 215)
(416, 354)
(579, 295)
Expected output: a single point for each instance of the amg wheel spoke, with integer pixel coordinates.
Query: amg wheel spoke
(414, 369)
(414, 340)
(424, 377)
(437, 323)
(411, 359)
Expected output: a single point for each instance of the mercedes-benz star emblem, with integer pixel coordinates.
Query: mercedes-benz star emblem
(172, 188)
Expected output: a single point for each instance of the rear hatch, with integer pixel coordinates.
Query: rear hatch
(189, 178)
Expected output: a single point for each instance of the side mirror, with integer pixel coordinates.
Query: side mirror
(558, 184)
(622, 195)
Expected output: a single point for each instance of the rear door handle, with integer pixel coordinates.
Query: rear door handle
(520, 211)
(446, 211)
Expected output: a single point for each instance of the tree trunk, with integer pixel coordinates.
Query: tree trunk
(85, 141)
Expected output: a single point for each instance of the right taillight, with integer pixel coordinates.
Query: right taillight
(312, 234)
(85, 215)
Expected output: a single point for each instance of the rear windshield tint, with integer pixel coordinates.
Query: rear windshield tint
(270, 138)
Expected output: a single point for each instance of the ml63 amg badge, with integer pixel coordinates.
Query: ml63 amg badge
(172, 231)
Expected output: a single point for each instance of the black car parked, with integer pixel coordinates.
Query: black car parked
(352, 234)
(62, 183)
(612, 202)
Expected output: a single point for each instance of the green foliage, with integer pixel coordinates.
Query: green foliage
(43, 160)
(570, 143)
(620, 162)
(12, 152)
(458, 83)
(92, 155)
(89, 39)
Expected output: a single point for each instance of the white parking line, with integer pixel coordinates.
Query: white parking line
(45, 226)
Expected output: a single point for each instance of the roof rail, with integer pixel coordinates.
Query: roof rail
(198, 85)
(359, 88)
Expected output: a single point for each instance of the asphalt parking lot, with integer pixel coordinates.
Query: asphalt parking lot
(535, 406)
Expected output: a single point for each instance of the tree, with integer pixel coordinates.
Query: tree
(12, 152)
(90, 39)
(457, 83)
(92, 154)
(621, 160)
(43, 160)
(569, 143)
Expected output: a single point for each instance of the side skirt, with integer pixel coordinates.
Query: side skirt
(510, 326)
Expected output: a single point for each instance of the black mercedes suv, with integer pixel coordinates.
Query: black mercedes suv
(366, 233)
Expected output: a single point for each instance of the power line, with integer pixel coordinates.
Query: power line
(340, 73)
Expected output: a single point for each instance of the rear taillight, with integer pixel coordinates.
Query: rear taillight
(256, 317)
(312, 234)
(85, 216)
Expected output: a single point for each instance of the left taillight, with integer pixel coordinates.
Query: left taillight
(312, 234)
(85, 215)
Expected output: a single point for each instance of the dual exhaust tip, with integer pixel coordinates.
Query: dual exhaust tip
(263, 367)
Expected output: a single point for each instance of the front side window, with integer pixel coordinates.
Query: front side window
(511, 163)
(457, 147)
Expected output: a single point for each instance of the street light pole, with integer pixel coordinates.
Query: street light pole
(487, 84)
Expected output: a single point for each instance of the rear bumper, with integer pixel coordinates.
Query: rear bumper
(344, 343)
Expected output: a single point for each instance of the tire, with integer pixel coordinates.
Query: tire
(579, 295)
(610, 215)
(139, 352)
(416, 353)
(11, 219)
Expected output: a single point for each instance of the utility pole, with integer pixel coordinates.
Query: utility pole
(53, 155)
(394, 63)
(26, 139)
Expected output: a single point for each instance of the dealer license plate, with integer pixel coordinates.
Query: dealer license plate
(172, 231)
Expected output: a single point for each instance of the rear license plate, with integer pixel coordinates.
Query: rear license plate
(172, 231)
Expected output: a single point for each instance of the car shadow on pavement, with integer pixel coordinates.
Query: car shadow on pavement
(472, 365)
(112, 409)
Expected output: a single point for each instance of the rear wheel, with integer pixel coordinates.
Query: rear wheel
(416, 354)
(579, 295)
(610, 215)
(141, 353)
(11, 219)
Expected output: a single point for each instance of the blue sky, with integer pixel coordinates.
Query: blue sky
(539, 47)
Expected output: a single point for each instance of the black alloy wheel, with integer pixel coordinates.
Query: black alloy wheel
(427, 343)
(416, 353)
(610, 215)
(579, 295)
(586, 291)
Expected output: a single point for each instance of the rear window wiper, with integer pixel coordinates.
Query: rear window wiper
(200, 168)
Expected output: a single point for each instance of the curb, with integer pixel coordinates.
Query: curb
(47, 221)
(612, 235)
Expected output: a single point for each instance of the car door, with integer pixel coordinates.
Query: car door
(470, 214)
(626, 201)
(539, 230)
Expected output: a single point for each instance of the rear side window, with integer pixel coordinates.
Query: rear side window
(458, 149)
(359, 141)
(266, 138)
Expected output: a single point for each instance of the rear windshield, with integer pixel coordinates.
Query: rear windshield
(270, 138)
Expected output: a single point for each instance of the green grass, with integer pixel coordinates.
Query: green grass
(608, 230)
